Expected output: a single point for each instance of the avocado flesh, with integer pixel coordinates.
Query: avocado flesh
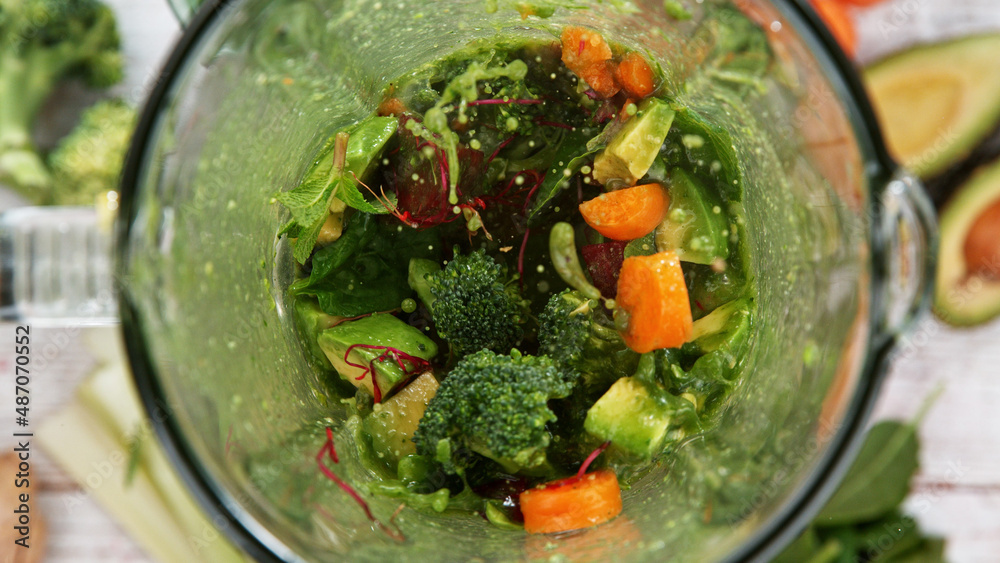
(379, 330)
(961, 298)
(392, 423)
(936, 103)
(311, 321)
(631, 153)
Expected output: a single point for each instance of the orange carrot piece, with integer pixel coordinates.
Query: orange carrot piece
(627, 214)
(861, 3)
(572, 503)
(838, 20)
(391, 106)
(582, 47)
(635, 76)
(601, 78)
(653, 298)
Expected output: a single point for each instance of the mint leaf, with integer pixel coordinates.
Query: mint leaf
(309, 202)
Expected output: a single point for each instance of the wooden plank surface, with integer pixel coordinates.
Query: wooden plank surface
(956, 494)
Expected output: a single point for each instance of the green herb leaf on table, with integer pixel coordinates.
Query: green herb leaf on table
(879, 479)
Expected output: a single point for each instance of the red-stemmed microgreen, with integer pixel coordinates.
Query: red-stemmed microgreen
(417, 364)
(590, 458)
(501, 101)
(500, 147)
(544, 123)
(330, 450)
(520, 257)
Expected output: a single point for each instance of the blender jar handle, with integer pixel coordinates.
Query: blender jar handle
(56, 267)
(909, 232)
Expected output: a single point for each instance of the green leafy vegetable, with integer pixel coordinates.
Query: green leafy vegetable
(879, 479)
(862, 521)
(337, 172)
(574, 152)
(365, 270)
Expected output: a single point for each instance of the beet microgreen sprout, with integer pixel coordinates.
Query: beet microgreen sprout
(329, 449)
(501, 102)
(501, 147)
(544, 123)
(590, 458)
(417, 364)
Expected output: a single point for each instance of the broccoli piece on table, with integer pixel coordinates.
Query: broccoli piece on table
(495, 406)
(473, 309)
(88, 162)
(45, 41)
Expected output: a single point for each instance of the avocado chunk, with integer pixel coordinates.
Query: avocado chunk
(311, 320)
(724, 329)
(391, 424)
(632, 151)
(936, 103)
(371, 340)
(968, 270)
(637, 416)
(695, 227)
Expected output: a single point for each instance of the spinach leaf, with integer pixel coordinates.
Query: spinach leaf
(309, 202)
(571, 155)
(879, 479)
(931, 550)
(698, 145)
(365, 270)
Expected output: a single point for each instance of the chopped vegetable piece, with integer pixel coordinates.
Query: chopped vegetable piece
(600, 77)
(838, 20)
(572, 503)
(631, 153)
(626, 214)
(635, 76)
(604, 261)
(582, 47)
(652, 304)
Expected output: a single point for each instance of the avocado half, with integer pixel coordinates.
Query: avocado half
(968, 277)
(936, 103)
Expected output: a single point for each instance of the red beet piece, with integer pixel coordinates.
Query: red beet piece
(604, 261)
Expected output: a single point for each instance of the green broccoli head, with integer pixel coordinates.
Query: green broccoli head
(42, 42)
(495, 406)
(88, 162)
(577, 333)
(473, 309)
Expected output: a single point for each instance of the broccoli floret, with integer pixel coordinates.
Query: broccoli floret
(43, 42)
(87, 163)
(578, 334)
(496, 406)
(473, 309)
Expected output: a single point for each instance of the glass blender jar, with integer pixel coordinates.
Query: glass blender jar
(840, 240)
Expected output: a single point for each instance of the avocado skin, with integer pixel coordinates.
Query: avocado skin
(959, 299)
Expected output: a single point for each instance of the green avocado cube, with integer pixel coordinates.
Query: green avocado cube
(391, 424)
(371, 344)
(631, 153)
(631, 418)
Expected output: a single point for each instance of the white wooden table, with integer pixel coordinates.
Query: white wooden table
(956, 494)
